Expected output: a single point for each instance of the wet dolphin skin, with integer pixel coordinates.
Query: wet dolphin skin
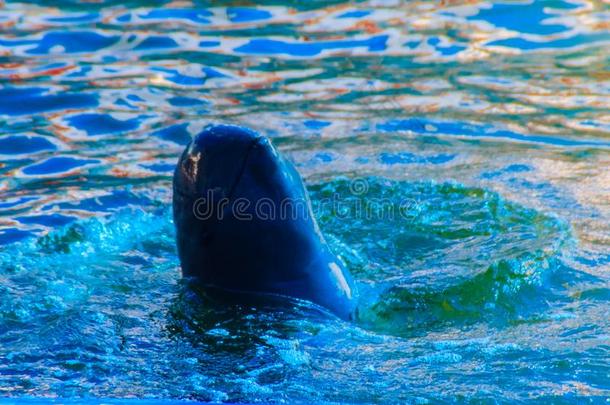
(244, 222)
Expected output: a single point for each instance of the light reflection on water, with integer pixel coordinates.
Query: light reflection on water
(493, 117)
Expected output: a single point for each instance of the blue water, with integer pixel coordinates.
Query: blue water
(485, 125)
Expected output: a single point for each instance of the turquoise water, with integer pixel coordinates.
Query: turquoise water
(491, 120)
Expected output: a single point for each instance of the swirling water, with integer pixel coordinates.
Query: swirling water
(491, 119)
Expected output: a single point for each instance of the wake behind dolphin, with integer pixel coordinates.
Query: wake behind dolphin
(244, 222)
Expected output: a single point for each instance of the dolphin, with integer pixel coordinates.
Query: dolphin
(244, 223)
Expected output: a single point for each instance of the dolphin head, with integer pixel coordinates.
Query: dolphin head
(227, 162)
(214, 161)
(244, 221)
(235, 196)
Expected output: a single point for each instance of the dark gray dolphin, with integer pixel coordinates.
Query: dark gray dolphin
(244, 223)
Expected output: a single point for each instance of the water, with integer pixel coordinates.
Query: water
(490, 119)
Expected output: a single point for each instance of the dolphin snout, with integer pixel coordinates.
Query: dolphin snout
(215, 159)
(224, 136)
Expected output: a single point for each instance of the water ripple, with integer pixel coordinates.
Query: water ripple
(491, 118)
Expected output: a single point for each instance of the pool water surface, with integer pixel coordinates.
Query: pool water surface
(490, 119)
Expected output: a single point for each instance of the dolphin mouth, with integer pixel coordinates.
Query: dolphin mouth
(259, 140)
